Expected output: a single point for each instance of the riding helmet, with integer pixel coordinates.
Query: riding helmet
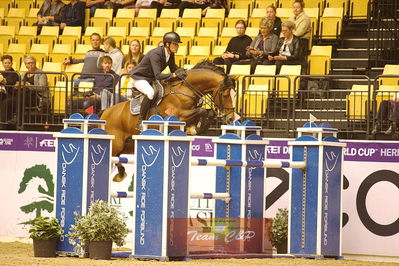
(171, 37)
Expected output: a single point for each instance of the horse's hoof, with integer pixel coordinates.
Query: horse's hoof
(118, 178)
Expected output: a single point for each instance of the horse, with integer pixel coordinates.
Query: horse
(181, 98)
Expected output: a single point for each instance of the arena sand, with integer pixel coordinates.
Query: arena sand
(17, 253)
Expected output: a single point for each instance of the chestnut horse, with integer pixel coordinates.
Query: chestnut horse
(182, 99)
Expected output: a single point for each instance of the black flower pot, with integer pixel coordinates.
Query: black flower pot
(44, 248)
(282, 248)
(100, 250)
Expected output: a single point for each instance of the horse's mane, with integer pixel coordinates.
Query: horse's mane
(207, 64)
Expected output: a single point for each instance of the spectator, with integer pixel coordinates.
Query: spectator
(302, 24)
(94, 4)
(116, 4)
(8, 79)
(263, 45)
(124, 92)
(115, 54)
(134, 54)
(34, 86)
(50, 14)
(289, 48)
(142, 4)
(90, 60)
(271, 13)
(74, 14)
(161, 4)
(216, 4)
(193, 4)
(235, 50)
(388, 110)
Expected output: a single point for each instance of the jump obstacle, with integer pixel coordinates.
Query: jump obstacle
(161, 195)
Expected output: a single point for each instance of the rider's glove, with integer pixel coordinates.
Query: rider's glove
(181, 73)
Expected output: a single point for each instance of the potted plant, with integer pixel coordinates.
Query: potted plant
(102, 226)
(280, 231)
(44, 231)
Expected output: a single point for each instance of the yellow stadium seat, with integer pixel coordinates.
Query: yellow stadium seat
(15, 18)
(89, 31)
(73, 68)
(191, 18)
(125, 49)
(336, 12)
(49, 35)
(284, 13)
(356, 102)
(197, 54)
(338, 3)
(214, 18)
(218, 50)
(157, 35)
(59, 97)
(7, 34)
(168, 18)
(139, 33)
(118, 34)
(234, 15)
(6, 4)
(17, 51)
(264, 70)
(26, 4)
(81, 50)
(242, 4)
(240, 71)
(71, 35)
(32, 16)
(319, 60)
(206, 36)
(227, 34)
(52, 78)
(282, 83)
(27, 35)
(257, 15)
(148, 48)
(102, 18)
(1, 48)
(255, 100)
(186, 35)
(252, 32)
(124, 18)
(331, 23)
(60, 52)
(40, 52)
(358, 9)
(390, 70)
(264, 3)
(146, 17)
(180, 56)
(385, 93)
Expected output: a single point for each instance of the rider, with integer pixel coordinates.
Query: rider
(149, 69)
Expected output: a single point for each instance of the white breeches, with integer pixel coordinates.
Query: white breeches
(143, 86)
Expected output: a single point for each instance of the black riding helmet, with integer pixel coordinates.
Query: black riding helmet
(171, 37)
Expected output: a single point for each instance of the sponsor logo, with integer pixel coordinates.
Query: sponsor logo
(255, 155)
(150, 155)
(178, 155)
(97, 154)
(47, 143)
(331, 160)
(6, 141)
(69, 153)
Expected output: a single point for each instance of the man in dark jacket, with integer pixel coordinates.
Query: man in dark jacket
(74, 14)
(150, 67)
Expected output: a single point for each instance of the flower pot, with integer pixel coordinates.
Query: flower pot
(100, 250)
(44, 248)
(282, 248)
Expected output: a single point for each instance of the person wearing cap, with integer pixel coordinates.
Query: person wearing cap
(149, 70)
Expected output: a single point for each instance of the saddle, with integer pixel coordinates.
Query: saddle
(137, 98)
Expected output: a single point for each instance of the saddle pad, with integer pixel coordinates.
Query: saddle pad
(135, 102)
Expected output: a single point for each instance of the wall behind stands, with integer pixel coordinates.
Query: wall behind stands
(370, 196)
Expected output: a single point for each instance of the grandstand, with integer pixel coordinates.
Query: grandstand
(353, 43)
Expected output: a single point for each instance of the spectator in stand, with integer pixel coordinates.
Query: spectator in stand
(161, 4)
(271, 13)
(388, 110)
(74, 14)
(235, 50)
(50, 14)
(34, 86)
(90, 60)
(302, 24)
(8, 95)
(134, 55)
(193, 4)
(94, 4)
(117, 4)
(115, 54)
(142, 4)
(125, 93)
(289, 48)
(216, 4)
(263, 45)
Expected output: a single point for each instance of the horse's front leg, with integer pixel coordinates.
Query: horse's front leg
(196, 119)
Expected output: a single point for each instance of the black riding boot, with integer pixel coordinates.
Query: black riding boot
(144, 109)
